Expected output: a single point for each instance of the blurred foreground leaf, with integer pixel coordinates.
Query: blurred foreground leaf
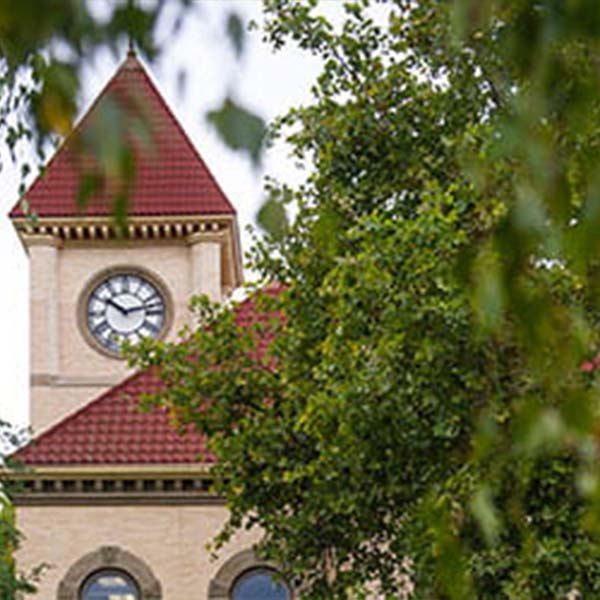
(239, 128)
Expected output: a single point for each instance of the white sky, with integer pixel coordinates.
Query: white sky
(265, 82)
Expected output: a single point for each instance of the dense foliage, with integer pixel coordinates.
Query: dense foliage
(423, 422)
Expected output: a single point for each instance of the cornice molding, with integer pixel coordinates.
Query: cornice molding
(43, 230)
(126, 470)
(100, 487)
(168, 229)
(48, 380)
(41, 239)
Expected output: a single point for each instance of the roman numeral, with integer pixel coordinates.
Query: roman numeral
(154, 307)
(149, 328)
(112, 286)
(101, 329)
(150, 297)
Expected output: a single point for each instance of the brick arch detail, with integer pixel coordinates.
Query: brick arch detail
(109, 557)
(221, 584)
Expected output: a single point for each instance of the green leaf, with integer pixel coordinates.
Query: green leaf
(484, 511)
(239, 128)
(89, 184)
(272, 218)
(236, 33)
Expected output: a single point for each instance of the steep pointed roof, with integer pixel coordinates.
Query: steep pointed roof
(170, 176)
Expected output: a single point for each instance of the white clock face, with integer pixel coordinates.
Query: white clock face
(125, 306)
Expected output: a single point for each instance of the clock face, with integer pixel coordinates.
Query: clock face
(124, 306)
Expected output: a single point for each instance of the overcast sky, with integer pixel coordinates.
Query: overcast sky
(267, 83)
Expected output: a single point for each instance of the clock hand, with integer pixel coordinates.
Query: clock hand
(120, 308)
(149, 307)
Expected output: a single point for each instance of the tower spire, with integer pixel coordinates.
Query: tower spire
(130, 45)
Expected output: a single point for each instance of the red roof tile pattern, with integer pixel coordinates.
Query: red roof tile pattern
(111, 430)
(170, 176)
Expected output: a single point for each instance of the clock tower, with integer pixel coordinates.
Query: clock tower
(118, 503)
(95, 283)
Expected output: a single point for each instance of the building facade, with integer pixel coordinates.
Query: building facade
(114, 503)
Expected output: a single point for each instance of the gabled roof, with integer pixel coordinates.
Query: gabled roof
(111, 430)
(170, 178)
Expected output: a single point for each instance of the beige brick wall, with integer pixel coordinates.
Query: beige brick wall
(171, 540)
(43, 309)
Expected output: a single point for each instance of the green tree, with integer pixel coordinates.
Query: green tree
(415, 410)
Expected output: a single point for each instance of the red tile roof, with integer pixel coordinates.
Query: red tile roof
(170, 179)
(112, 430)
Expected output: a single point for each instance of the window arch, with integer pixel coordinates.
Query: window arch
(104, 562)
(259, 584)
(245, 577)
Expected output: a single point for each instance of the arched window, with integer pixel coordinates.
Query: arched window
(109, 584)
(244, 576)
(260, 584)
(109, 573)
